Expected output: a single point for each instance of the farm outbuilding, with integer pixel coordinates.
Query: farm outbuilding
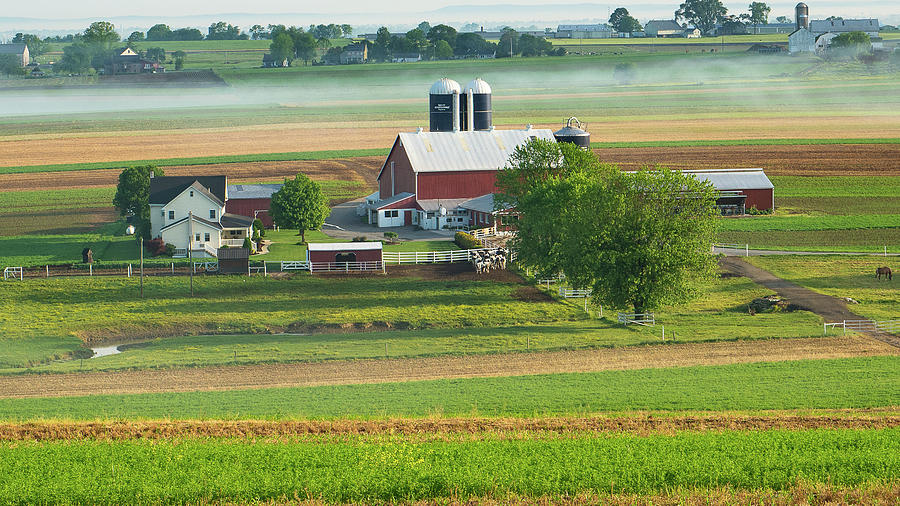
(233, 260)
(751, 186)
(345, 256)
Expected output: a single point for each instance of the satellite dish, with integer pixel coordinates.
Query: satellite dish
(129, 230)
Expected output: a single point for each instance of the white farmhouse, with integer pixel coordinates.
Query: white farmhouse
(189, 213)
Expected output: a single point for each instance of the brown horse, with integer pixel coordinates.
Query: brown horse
(884, 271)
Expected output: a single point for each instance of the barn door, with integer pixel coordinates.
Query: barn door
(407, 218)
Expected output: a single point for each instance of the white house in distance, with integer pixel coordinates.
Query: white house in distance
(19, 52)
(189, 212)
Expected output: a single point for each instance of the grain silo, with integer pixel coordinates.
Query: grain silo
(443, 110)
(574, 134)
(802, 13)
(477, 113)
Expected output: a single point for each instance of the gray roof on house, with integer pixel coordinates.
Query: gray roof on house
(12, 49)
(233, 253)
(482, 204)
(393, 200)
(165, 188)
(432, 205)
(252, 191)
(734, 179)
(229, 220)
(662, 24)
(844, 25)
(465, 151)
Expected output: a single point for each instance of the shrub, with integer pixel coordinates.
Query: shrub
(466, 241)
(391, 236)
(360, 238)
(156, 246)
(753, 211)
(258, 226)
(169, 250)
(247, 244)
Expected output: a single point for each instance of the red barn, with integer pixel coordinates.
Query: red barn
(740, 189)
(251, 200)
(428, 176)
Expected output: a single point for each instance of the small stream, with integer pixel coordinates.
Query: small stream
(103, 351)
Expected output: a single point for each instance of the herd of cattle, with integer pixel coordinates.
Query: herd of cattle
(486, 260)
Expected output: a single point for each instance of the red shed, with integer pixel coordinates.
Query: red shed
(251, 200)
(752, 183)
(345, 256)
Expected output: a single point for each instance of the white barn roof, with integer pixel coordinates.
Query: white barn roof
(343, 246)
(734, 179)
(464, 151)
(843, 25)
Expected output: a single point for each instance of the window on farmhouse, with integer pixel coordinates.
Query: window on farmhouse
(206, 237)
(197, 238)
(212, 214)
(171, 215)
(192, 193)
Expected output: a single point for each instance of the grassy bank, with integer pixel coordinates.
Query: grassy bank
(809, 384)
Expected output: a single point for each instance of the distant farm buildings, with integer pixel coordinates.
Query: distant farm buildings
(815, 36)
(127, 61)
(18, 52)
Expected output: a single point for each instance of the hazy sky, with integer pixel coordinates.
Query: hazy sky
(640, 8)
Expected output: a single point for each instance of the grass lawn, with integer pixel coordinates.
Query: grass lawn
(794, 385)
(286, 245)
(446, 317)
(842, 276)
(355, 470)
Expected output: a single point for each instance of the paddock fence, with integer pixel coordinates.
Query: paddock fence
(645, 319)
(886, 326)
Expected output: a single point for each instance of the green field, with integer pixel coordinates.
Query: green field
(486, 317)
(796, 385)
(840, 276)
(359, 471)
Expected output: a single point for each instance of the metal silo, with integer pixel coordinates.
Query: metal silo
(802, 14)
(478, 106)
(443, 110)
(575, 135)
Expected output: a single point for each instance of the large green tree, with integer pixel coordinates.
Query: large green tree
(282, 47)
(759, 13)
(638, 240)
(102, 33)
(299, 204)
(704, 14)
(850, 44)
(133, 195)
(623, 22)
(159, 32)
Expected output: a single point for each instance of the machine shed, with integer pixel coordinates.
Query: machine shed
(234, 260)
(751, 183)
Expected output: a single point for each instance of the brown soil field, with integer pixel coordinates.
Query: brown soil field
(363, 169)
(477, 428)
(60, 221)
(77, 148)
(399, 370)
(804, 160)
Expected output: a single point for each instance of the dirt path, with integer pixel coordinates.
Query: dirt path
(830, 308)
(398, 370)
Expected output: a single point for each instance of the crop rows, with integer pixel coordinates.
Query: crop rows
(192, 470)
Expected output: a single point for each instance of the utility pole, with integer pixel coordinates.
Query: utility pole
(190, 247)
(142, 266)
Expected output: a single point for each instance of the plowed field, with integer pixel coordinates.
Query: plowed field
(364, 170)
(397, 370)
(441, 428)
(140, 145)
(803, 160)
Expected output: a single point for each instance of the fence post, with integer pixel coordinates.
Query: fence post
(664, 333)
(91, 268)
(173, 268)
(845, 327)
(746, 250)
(265, 269)
(47, 270)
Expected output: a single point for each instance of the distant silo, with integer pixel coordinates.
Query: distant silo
(444, 95)
(802, 14)
(573, 134)
(478, 106)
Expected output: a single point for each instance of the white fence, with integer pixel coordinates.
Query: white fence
(888, 326)
(206, 266)
(646, 319)
(483, 232)
(346, 266)
(574, 293)
(232, 243)
(745, 247)
(300, 265)
(434, 257)
(13, 272)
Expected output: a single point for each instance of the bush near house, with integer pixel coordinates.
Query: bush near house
(466, 241)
